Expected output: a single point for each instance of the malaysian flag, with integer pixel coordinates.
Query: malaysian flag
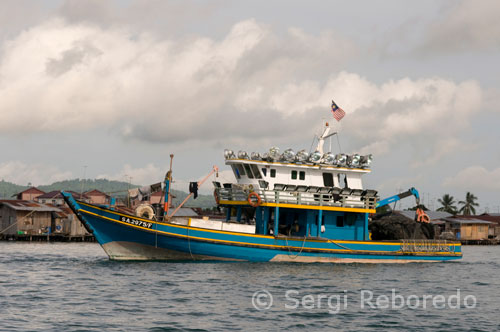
(337, 112)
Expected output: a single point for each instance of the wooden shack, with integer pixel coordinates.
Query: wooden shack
(468, 228)
(26, 217)
(29, 194)
(97, 197)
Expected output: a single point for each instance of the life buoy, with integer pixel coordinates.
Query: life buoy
(145, 211)
(422, 216)
(216, 197)
(251, 201)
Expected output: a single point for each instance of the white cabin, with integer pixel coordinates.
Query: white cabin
(250, 172)
(317, 169)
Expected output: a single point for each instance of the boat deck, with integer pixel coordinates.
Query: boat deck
(300, 195)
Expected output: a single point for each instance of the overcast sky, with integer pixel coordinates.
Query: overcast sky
(117, 86)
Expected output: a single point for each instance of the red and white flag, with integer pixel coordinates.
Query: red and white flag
(337, 112)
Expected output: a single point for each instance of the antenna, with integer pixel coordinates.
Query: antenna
(83, 182)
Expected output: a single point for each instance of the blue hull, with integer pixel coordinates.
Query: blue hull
(127, 237)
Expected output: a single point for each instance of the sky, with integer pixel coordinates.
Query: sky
(109, 89)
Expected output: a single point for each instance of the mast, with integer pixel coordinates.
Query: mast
(168, 179)
(321, 139)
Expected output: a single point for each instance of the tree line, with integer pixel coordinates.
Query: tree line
(466, 207)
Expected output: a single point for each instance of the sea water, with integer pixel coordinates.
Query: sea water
(74, 287)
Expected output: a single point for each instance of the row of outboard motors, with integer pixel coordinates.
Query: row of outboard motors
(341, 159)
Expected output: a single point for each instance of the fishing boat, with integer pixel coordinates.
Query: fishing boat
(282, 207)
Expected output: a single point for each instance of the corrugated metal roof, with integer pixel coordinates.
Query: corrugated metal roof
(19, 205)
(468, 221)
(56, 194)
(52, 194)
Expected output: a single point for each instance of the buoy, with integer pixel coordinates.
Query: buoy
(253, 202)
(145, 211)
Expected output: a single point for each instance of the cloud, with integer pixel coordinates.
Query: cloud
(475, 178)
(466, 26)
(146, 175)
(37, 174)
(248, 88)
(425, 115)
(80, 76)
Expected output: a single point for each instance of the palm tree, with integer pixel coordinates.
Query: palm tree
(468, 205)
(447, 204)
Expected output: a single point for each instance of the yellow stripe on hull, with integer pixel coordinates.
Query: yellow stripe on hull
(283, 247)
(301, 206)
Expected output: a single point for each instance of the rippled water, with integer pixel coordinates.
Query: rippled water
(74, 287)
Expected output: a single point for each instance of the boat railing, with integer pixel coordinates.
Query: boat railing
(416, 246)
(358, 199)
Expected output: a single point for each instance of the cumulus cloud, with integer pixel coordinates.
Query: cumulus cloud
(466, 26)
(80, 75)
(37, 174)
(475, 178)
(426, 115)
(249, 85)
(146, 175)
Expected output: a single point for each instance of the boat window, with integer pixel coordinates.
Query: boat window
(255, 171)
(302, 175)
(328, 179)
(264, 171)
(273, 173)
(236, 172)
(340, 221)
(240, 169)
(294, 175)
(343, 180)
(249, 172)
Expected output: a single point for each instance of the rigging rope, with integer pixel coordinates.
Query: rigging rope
(189, 244)
(289, 251)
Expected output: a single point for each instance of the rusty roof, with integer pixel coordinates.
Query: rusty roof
(20, 205)
(94, 192)
(56, 194)
(494, 218)
(52, 194)
(467, 220)
(30, 190)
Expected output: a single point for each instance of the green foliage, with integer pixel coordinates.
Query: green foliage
(202, 201)
(468, 206)
(7, 189)
(113, 188)
(447, 204)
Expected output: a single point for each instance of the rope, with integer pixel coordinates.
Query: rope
(189, 244)
(338, 142)
(341, 246)
(8, 227)
(289, 251)
(156, 235)
(312, 143)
